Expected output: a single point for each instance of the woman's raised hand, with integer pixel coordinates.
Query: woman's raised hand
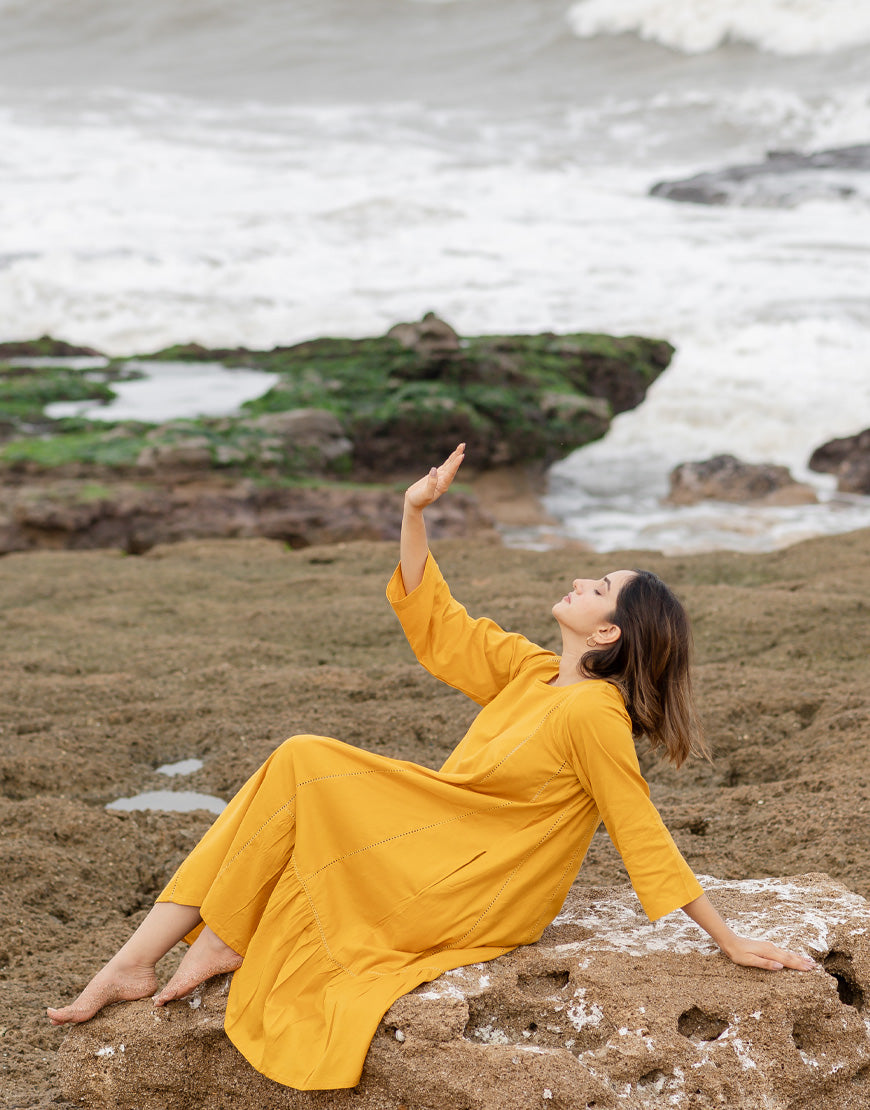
(436, 482)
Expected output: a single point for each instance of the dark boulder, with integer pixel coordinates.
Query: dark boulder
(849, 459)
(726, 478)
(783, 179)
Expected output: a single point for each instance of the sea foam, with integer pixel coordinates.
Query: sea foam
(789, 27)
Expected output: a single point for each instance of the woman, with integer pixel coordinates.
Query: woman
(337, 880)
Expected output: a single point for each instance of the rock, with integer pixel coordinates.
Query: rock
(431, 336)
(784, 179)
(516, 398)
(307, 440)
(46, 347)
(567, 405)
(312, 430)
(725, 478)
(135, 519)
(190, 453)
(412, 394)
(604, 1009)
(849, 459)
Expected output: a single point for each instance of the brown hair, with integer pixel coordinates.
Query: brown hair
(650, 665)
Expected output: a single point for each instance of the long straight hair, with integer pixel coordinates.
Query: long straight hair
(650, 664)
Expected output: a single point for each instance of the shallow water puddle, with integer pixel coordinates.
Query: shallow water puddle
(171, 391)
(175, 801)
(182, 767)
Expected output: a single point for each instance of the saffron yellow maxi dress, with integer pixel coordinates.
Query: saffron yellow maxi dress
(346, 878)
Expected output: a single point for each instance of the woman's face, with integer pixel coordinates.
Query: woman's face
(590, 604)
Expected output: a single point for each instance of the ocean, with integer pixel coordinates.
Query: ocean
(262, 172)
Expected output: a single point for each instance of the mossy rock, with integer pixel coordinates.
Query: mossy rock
(399, 404)
(98, 447)
(24, 392)
(513, 398)
(46, 347)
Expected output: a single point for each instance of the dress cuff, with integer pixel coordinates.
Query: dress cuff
(398, 596)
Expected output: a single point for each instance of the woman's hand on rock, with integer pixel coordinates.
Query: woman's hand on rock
(761, 953)
(436, 482)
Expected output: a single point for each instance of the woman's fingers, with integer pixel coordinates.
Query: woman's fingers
(447, 471)
(437, 481)
(766, 965)
(795, 960)
(763, 954)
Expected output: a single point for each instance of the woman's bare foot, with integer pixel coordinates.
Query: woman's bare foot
(207, 956)
(119, 981)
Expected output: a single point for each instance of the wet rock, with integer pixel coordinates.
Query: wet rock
(726, 478)
(784, 179)
(849, 459)
(605, 1008)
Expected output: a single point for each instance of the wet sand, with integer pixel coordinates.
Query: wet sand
(114, 665)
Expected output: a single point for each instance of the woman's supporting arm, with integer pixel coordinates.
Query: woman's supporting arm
(414, 547)
(743, 950)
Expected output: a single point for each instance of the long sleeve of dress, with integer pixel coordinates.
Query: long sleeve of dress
(474, 656)
(606, 765)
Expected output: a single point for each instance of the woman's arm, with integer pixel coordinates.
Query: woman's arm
(475, 656)
(414, 546)
(743, 950)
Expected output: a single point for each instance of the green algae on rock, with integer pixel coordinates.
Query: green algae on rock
(392, 400)
(25, 390)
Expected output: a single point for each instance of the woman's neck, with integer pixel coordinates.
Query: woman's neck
(569, 673)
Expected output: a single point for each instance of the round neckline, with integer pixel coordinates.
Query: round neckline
(569, 685)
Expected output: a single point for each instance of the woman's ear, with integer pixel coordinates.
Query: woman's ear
(607, 634)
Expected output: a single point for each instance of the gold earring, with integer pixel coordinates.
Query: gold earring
(594, 642)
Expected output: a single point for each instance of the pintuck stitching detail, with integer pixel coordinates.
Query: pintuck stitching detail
(334, 959)
(252, 838)
(318, 923)
(544, 785)
(401, 836)
(504, 885)
(565, 871)
(352, 775)
(532, 734)
(290, 801)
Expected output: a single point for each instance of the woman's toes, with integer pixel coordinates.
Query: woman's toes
(108, 986)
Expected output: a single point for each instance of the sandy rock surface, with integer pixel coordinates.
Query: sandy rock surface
(604, 1010)
(113, 665)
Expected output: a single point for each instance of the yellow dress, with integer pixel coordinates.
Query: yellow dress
(346, 878)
